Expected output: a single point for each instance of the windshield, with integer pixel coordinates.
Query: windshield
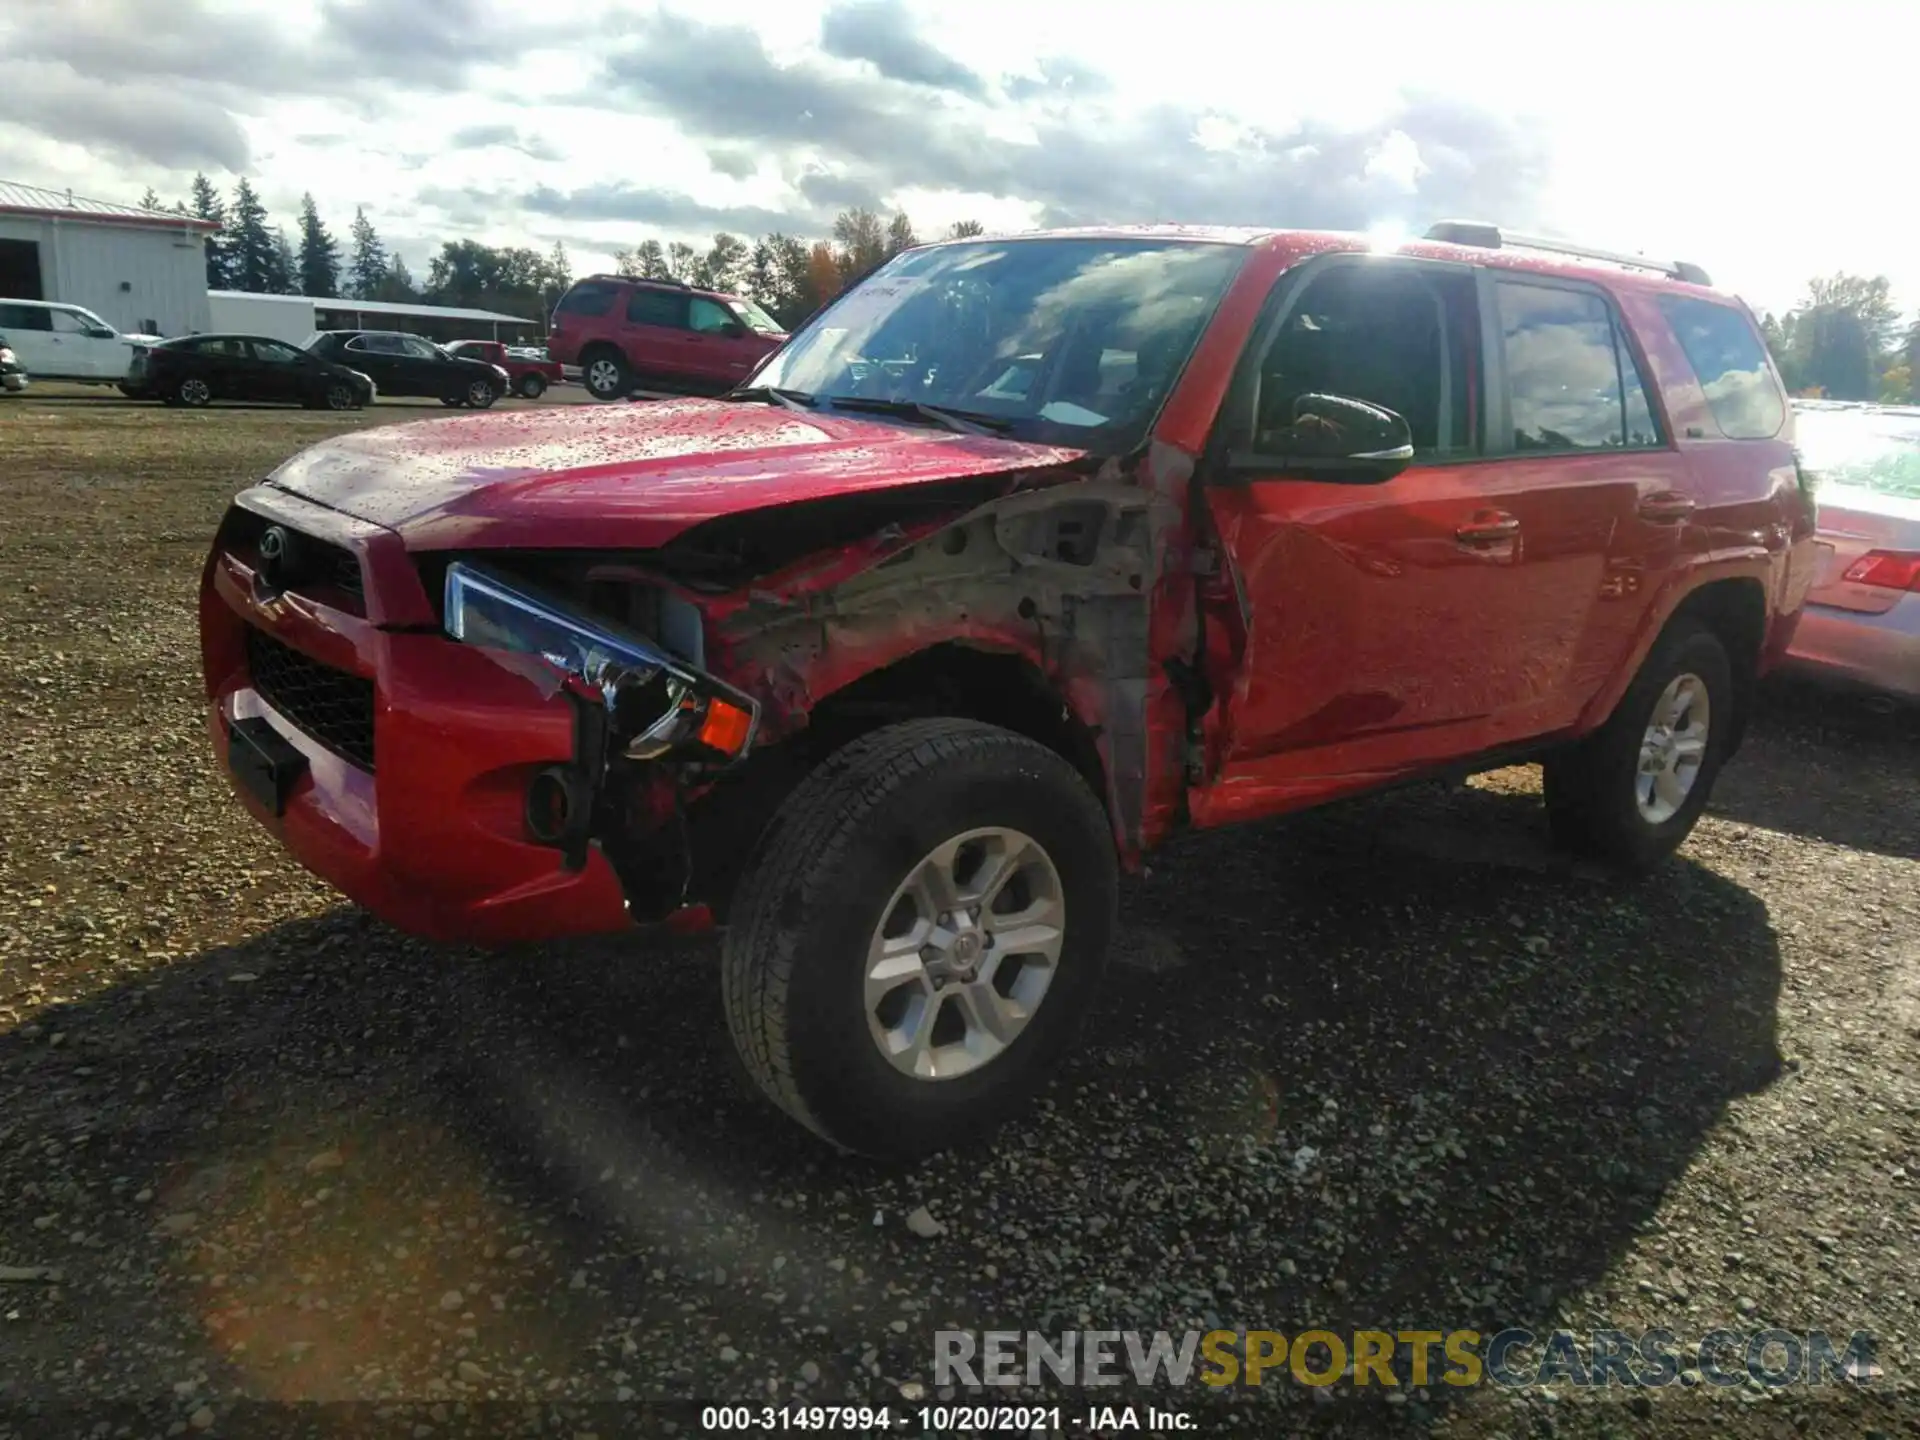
(1872, 449)
(755, 317)
(1073, 341)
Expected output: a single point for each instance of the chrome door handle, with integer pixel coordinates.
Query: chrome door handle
(1489, 527)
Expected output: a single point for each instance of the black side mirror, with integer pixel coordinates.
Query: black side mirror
(1332, 437)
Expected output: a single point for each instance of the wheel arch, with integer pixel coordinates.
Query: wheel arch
(1735, 609)
(1733, 605)
(951, 680)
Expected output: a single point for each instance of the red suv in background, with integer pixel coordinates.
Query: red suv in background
(625, 333)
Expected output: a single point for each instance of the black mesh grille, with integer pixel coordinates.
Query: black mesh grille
(319, 565)
(332, 706)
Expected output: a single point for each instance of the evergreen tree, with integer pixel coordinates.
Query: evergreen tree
(369, 266)
(207, 206)
(249, 243)
(150, 200)
(283, 265)
(965, 229)
(319, 253)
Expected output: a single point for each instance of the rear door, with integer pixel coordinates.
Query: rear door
(29, 329)
(225, 363)
(377, 357)
(657, 338)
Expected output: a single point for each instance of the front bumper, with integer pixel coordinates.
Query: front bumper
(432, 837)
(1871, 652)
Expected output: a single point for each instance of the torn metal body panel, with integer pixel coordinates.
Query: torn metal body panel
(1059, 573)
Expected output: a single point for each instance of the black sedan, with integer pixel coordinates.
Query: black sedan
(199, 369)
(402, 364)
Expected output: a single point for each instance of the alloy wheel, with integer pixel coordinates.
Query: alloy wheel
(1673, 748)
(964, 953)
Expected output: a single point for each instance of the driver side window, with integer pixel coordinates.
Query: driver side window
(1398, 335)
(706, 317)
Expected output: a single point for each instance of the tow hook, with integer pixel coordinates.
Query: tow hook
(561, 799)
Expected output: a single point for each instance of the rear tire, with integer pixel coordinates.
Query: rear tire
(532, 387)
(1631, 793)
(193, 391)
(868, 1057)
(605, 374)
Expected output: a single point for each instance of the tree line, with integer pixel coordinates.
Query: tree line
(788, 276)
(1844, 341)
(248, 252)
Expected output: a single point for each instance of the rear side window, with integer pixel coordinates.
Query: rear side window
(1572, 382)
(25, 317)
(589, 297)
(657, 307)
(1731, 364)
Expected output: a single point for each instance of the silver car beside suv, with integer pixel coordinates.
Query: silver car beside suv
(1861, 627)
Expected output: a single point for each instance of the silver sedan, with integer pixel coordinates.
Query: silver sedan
(1862, 622)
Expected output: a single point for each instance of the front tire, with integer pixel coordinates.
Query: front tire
(481, 394)
(532, 387)
(917, 934)
(1631, 793)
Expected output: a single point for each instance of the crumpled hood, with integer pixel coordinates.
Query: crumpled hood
(628, 475)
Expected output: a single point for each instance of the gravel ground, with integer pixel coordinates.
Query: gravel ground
(1389, 1066)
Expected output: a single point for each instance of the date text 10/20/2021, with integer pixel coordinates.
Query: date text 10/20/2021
(943, 1419)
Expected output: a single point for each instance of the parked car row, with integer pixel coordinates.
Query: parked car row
(339, 368)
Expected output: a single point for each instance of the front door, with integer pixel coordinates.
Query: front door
(90, 348)
(1388, 626)
(425, 370)
(279, 372)
(720, 343)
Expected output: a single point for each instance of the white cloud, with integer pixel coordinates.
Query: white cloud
(1758, 151)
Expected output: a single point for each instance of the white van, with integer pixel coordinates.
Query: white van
(64, 342)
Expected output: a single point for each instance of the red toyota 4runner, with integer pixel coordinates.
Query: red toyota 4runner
(1018, 558)
(627, 334)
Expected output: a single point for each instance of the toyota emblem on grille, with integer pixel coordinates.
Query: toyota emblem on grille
(274, 546)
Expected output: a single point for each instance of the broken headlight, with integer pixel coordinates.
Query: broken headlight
(655, 702)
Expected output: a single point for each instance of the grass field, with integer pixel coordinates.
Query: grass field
(1391, 1066)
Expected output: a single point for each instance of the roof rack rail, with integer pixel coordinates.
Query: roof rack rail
(666, 280)
(1483, 236)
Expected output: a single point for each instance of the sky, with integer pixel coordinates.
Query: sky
(1765, 148)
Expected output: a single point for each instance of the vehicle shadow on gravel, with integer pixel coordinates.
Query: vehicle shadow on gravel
(1388, 1066)
(1831, 767)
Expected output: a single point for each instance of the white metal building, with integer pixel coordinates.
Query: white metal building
(143, 271)
(295, 317)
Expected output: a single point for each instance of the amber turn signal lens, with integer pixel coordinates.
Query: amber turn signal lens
(725, 728)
